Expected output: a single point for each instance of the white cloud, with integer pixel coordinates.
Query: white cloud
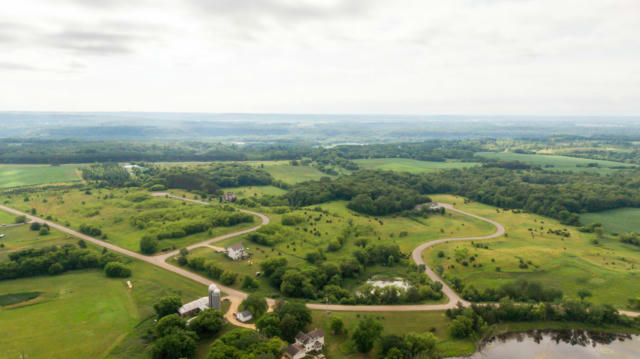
(326, 56)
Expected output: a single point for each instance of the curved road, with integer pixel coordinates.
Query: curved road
(235, 296)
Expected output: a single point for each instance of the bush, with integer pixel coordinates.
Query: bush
(148, 245)
(117, 270)
(228, 277)
(21, 219)
(35, 226)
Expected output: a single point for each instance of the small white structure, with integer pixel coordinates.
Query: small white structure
(236, 252)
(305, 344)
(204, 303)
(244, 316)
(228, 197)
(1, 235)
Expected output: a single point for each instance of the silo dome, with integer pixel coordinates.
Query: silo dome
(213, 288)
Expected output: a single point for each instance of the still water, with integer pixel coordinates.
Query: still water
(560, 344)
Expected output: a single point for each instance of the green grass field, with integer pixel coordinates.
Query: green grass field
(409, 165)
(6, 218)
(283, 171)
(21, 237)
(556, 163)
(29, 175)
(609, 270)
(299, 240)
(620, 220)
(111, 211)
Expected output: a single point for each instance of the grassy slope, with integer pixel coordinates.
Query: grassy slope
(6, 218)
(559, 163)
(74, 207)
(409, 165)
(620, 220)
(609, 270)
(27, 175)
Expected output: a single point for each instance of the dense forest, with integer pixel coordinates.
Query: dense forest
(561, 195)
(77, 151)
(370, 192)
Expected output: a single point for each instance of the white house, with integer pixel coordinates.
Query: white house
(244, 316)
(236, 252)
(305, 344)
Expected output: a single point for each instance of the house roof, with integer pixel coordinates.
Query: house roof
(294, 349)
(201, 304)
(236, 247)
(246, 313)
(309, 337)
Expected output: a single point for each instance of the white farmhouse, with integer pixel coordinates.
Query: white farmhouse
(305, 344)
(236, 252)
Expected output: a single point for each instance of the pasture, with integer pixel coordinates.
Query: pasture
(409, 165)
(607, 268)
(29, 175)
(114, 212)
(558, 163)
(621, 220)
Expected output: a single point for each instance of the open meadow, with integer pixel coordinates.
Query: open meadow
(29, 175)
(409, 165)
(621, 220)
(535, 248)
(558, 163)
(124, 216)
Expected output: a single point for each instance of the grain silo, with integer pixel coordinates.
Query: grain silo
(214, 297)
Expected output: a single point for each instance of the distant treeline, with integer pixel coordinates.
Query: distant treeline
(206, 178)
(76, 151)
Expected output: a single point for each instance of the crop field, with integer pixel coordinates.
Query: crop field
(113, 212)
(620, 220)
(409, 165)
(607, 268)
(328, 220)
(29, 175)
(557, 163)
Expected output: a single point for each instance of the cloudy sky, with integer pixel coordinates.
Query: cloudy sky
(322, 56)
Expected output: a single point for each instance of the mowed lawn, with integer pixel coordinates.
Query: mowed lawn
(621, 220)
(29, 175)
(609, 269)
(557, 163)
(409, 165)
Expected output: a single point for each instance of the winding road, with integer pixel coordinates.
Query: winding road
(236, 296)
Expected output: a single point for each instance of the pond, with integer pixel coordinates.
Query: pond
(560, 344)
